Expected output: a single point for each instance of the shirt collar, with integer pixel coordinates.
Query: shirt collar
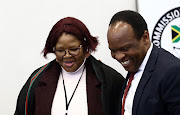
(143, 64)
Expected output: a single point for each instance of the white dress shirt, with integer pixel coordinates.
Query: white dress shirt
(134, 84)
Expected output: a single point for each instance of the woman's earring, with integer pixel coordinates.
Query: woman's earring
(54, 49)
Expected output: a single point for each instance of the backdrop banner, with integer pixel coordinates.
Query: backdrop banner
(163, 19)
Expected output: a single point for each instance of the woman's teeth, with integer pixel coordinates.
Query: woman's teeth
(69, 64)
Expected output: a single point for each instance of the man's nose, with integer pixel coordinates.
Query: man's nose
(119, 55)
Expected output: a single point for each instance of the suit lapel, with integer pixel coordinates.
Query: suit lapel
(93, 92)
(144, 79)
(105, 94)
(45, 91)
(139, 91)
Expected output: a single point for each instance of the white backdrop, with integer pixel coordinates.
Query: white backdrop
(24, 27)
(164, 13)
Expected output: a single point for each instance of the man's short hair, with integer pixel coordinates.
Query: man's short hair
(137, 22)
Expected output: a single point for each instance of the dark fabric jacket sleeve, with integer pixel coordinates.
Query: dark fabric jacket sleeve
(20, 106)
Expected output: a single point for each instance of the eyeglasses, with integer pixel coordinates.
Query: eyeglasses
(72, 51)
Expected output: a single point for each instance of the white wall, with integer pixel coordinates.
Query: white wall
(24, 27)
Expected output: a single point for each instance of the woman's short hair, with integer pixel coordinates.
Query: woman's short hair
(74, 27)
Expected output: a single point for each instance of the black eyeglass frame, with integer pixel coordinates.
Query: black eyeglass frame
(78, 48)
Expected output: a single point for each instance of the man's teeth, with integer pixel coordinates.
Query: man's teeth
(125, 62)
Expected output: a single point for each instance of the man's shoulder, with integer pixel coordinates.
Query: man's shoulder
(166, 56)
(165, 60)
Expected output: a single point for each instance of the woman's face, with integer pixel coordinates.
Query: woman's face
(70, 43)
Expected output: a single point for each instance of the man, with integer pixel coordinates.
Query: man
(154, 89)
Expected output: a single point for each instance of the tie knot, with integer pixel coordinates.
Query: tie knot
(132, 75)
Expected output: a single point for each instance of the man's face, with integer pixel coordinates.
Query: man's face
(125, 47)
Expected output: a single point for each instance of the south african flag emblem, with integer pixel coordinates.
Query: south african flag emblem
(175, 34)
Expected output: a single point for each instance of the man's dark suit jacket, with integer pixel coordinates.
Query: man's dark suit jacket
(158, 92)
(104, 85)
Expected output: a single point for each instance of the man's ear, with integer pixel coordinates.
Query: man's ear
(146, 36)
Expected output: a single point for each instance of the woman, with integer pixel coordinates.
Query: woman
(75, 83)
